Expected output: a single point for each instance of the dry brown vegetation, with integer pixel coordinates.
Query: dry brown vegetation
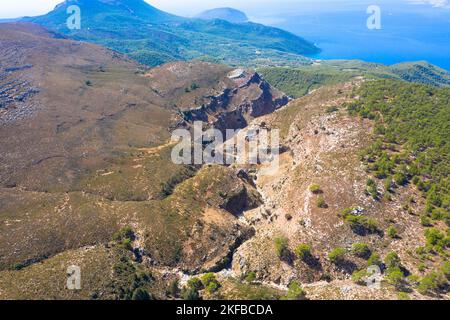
(88, 155)
(94, 157)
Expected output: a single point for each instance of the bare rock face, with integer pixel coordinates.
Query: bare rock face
(249, 97)
(323, 150)
(14, 98)
(15, 88)
(223, 97)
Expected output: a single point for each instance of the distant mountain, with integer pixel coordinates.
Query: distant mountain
(422, 72)
(228, 14)
(10, 20)
(153, 37)
(302, 80)
(108, 11)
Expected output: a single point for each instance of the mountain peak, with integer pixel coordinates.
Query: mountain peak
(129, 9)
(228, 14)
(152, 36)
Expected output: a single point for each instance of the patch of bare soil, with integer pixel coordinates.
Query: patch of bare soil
(323, 150)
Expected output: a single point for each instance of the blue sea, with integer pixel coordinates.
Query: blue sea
(409, 32)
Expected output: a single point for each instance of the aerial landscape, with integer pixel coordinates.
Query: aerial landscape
(219, 150)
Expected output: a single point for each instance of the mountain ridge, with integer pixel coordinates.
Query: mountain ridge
(301, 80)
(228, 14)
(153, 37)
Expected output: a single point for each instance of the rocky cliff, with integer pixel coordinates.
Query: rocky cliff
(226, 98)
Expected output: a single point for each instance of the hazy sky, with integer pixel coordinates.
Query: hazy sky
(17, 8)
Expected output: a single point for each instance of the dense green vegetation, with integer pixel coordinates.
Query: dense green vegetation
(337, 255)
(301, 80)
(194, 285)
(281, 248)
(295, 292)
(153, 37)
(250, 277)
(124, 237)
(315, 188)
(238, 290)
(130, 280)
(411, 146)
(374, 260)
(412, 128)
(392, 232)
(210, 282)
(421, 72)
(303, 252)
(358, 223)
(321, 203)
(434, 283)
(361, 250)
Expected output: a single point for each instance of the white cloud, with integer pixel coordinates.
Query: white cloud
(444, 4)
(20, 8)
